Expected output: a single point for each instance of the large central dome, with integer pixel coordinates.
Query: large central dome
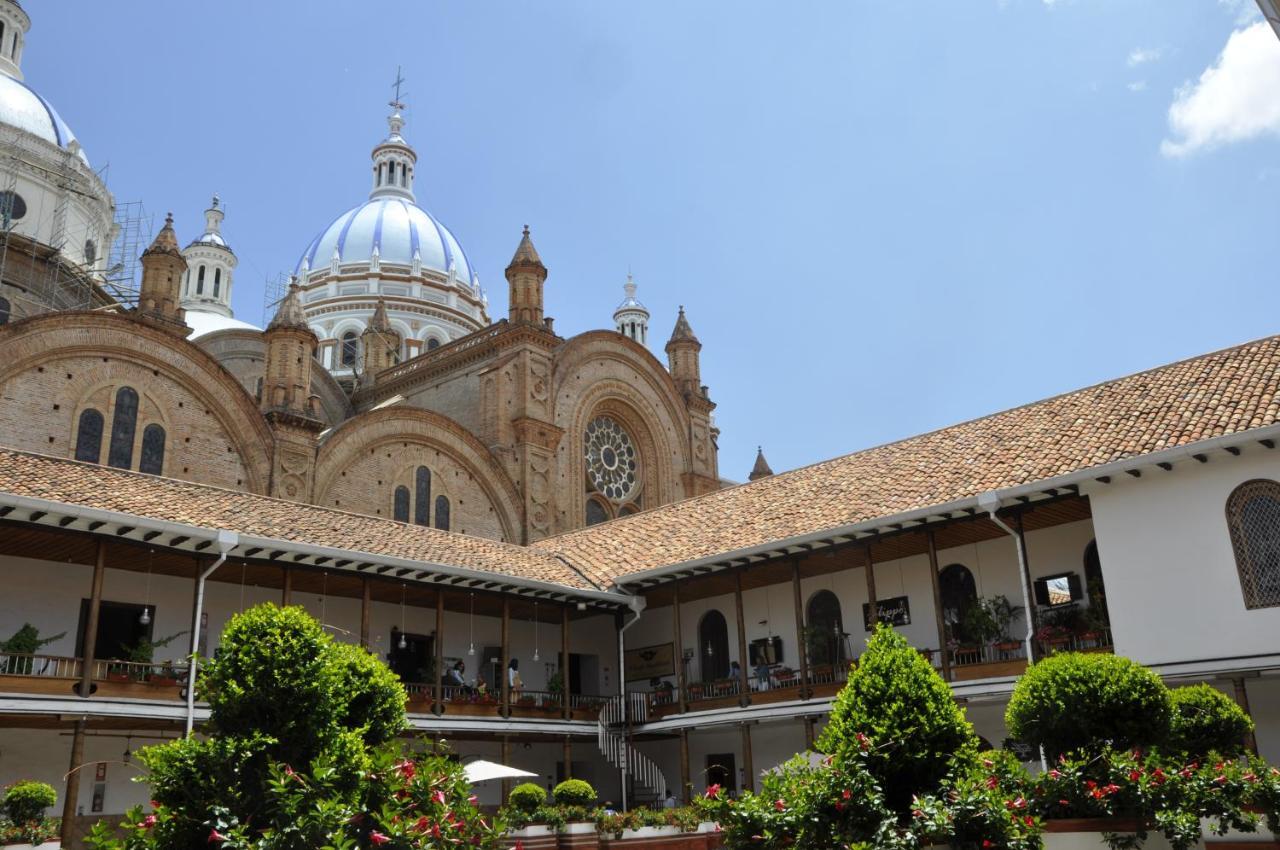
(398, 230)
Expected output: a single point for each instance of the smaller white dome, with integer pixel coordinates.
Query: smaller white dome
(203, 322)
(22, 108)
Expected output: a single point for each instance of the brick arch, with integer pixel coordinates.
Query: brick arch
(381, 430)
(54, 340)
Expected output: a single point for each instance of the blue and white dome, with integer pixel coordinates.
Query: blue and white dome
(395, 230)
(22, 108)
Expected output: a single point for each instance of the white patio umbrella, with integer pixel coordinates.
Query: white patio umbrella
(483, 771)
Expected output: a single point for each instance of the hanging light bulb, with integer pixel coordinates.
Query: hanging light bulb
(128, 750)
(402, 643)
(145, 617)
(535, 631)
(471, 627)
(710, 650)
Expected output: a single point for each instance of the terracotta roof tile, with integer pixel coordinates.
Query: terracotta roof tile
(149, 496)
(1206, 397)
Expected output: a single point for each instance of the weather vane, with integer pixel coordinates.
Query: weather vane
(396, 103)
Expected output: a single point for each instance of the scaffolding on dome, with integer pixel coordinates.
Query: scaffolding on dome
(39, 274)
(273, 292)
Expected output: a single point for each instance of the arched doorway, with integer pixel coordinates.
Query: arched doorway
(713, 646)
(959, 591)
(824, 639)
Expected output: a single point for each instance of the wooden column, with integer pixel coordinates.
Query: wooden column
(685, 789)
(366, 597)
(937, 606)
(748, 769)
(90, 644)
(808, 732)
(565, 694)
(681, 696)
(72, 791)
(506, 759)
(506, 662)
(568, 757)
(1242, 699)
(744, 688)
(1032, 619)
(802, 648)
(439, 647)
(871, 590)
(286, 594)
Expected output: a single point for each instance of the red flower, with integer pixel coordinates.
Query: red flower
(987, 843)
(1017, 803)
(422, 824)
(713, 791)
(154, 804)
(779, 805)
(216, 837)
(1250, 777)
(1028, 820)
(839, 806)
(473, 799)
(439, 797)
(992, 782)
(148, 822)
(407, 769)
(519, 845)
(1158, 776)
(846, 794)
(1054, 774)
(1220, 779)
(288, 771)
(1134, 775)
(378, 838)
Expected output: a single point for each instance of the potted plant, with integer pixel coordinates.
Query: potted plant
(1003, 613)
(143, 653)
(555, 688)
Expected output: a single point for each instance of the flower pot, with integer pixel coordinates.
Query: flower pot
(580, 835)
(537, 836)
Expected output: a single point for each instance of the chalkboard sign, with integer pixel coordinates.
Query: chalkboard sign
(895, 611)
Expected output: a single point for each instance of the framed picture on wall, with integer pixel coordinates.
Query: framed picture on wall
(894, 611)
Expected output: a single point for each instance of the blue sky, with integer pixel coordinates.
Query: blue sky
(882, 217)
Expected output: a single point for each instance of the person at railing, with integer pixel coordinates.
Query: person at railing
(762, 676)
(514, 682)
(455, 681)
(735, 676)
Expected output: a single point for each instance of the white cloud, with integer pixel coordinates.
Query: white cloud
(1138, 85)
(1236, 98)
(1142, 55)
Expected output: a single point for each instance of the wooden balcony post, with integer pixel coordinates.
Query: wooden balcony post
(506, 759)
(366, 597)
(71, 796)
(565, 696)
(744, 687)
(438, 685)
(873, 614)
(90, 645)
(505, 711)
(1242, 699)
(681, 697)
(685, 790)
(568, 757)
(936, 583)
(286, 593)
(808, 732)
(748, 769)
(802, 649)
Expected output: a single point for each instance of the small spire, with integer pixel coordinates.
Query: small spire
(682, 329)
(380, 323)
(166, 241)
(289, 314)
(761, 469)
(526, 254)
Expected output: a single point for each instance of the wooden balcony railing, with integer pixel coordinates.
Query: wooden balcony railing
(467, 701)
(46, 666)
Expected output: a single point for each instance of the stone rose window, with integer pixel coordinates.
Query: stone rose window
(612, 462)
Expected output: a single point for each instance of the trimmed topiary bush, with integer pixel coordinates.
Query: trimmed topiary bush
(574, 792)
(527, 798)
(895, 698)
(25, 801)
(1077, 702)
(1206, 720)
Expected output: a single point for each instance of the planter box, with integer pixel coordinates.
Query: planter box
(581, 836)
(532, 837)
(1086, 833)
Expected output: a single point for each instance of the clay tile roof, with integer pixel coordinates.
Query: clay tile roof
(526, 254)
(149, 496)
(289, 314)
(682, 330)
(166, 241)
(1199, 399)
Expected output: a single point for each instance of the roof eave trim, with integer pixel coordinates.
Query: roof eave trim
(921, 515)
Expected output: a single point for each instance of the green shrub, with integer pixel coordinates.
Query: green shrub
(25, 801)
(527, 797)
(1077, 702)
(895, 698)
(1206, 720)
(574, 792)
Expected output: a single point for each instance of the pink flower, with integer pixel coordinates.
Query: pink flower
(439, 797)
(216, 837)
(779, 805)
(148, 822)
(713, 791)
(1054, 774)
(407, 769)
(519, 845)
(378, 838)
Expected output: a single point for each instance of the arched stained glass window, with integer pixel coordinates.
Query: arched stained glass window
(89, 436)
(400, 507)
(217, 282)
(152, 460)
(124, 424)
(350, 348)
(421, 496)
(824, 639)
(200, 281)
(596, 512)
(1253, 517)
(442, 513)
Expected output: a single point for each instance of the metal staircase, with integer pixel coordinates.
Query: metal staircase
(615, 716)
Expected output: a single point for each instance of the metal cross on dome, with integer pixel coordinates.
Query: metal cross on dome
(396, 102)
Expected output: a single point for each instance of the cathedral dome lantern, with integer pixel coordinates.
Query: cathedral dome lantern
(388, 248)
(631, 319)
(206, 285)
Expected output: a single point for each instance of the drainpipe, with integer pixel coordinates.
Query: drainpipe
(636, 604)
(227, 541)
(990, 502)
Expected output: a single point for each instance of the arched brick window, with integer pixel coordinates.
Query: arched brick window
(400, 504)
(421, 496)
(442, 513)
(124, 424)
(89, 436)
(152, 460)
(596, 512)
(1253, 516)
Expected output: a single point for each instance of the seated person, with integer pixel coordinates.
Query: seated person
(455, 680)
